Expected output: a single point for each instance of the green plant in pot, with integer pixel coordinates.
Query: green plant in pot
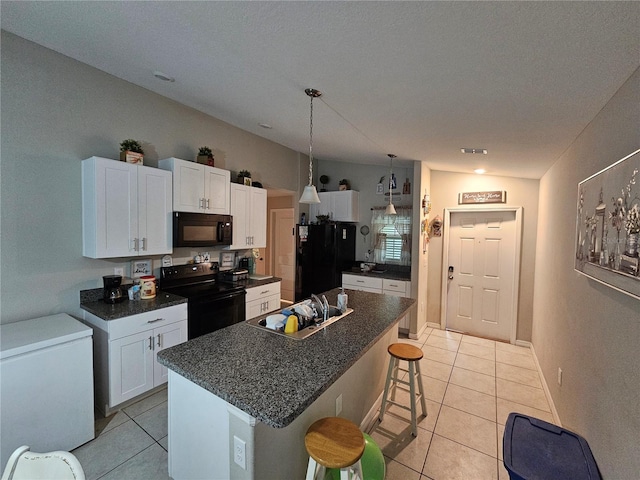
(344, 184)
(324, 180)
(244, 177)
(131, 151)
(205, 156)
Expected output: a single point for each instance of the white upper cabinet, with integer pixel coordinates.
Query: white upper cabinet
(198, 188)
(249, 212)
(341, 206)
(126, 209)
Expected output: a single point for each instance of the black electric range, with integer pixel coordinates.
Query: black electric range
(212, 304)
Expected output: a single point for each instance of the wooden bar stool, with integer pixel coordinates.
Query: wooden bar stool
(411, 354)
(334, 442)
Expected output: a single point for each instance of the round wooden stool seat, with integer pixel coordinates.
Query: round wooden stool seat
(334, 442)
(404, 351)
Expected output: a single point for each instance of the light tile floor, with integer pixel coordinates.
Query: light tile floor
(471, 385)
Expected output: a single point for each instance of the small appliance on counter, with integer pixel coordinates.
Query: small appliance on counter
(111, 290)
(235, 275)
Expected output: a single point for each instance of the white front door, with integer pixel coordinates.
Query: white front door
(481, 273)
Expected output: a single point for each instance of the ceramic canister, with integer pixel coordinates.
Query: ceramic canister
(147, 286)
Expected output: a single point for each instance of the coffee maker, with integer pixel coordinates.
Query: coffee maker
(112, 292)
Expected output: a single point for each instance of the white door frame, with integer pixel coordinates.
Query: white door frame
(272, 241)
(516, 268)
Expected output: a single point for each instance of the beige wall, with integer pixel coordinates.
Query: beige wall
(590, 330)
(420, 251)
(445, 187)
(56, 112)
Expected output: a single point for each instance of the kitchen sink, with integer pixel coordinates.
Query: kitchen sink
(334, 315)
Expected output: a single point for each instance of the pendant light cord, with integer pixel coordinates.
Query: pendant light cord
(311, 143)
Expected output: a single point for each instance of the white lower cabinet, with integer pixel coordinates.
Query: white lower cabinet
(398, 288)
(263, 299)
(125, 351)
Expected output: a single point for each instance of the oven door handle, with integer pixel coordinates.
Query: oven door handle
(226, 296)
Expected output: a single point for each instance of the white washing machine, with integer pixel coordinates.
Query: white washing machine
(46, 385)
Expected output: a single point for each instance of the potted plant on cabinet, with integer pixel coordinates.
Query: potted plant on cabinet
(244, 177)
(344, 184)
(205, 156)
(324, 180)
(131, 151)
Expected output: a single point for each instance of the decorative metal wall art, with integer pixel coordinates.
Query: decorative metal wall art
(608, 226)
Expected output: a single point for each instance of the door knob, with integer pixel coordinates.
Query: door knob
(450, 272)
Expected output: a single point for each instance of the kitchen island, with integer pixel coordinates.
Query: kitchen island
(241, 399)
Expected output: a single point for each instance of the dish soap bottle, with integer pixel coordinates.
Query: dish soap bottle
(343, 298)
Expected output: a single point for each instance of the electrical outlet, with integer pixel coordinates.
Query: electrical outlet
(559, 376)
(118, 271)
(338, 404)
(239, 452)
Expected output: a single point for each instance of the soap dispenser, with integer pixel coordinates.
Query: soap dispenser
(343, 298)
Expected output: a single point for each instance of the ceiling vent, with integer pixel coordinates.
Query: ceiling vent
(481, 151)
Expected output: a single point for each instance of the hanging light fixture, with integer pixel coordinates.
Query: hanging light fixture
(310, 195)
(390, 210)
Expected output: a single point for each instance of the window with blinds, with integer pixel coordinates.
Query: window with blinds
(393, 244)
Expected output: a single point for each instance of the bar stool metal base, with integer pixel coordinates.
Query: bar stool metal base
(411, 354)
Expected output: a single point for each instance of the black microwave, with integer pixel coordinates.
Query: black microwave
(201, 230)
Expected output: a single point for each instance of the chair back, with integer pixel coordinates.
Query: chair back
(26, 465)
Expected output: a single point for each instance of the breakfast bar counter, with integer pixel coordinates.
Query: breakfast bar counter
(252, 392)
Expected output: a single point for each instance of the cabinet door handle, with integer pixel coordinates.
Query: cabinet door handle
(156, 320)
(159, 343)
(201, 203)
(208, 204)
(135, 244)
(144, 243)
(151, 342)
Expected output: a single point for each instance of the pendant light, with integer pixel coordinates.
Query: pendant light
(310, 195)
(390, 210)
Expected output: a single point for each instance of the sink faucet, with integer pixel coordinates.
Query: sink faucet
(322, 304)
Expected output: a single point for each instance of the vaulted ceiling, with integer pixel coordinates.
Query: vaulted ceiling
(418, 79)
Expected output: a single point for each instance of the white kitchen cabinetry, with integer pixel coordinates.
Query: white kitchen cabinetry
(125, 350)
(359, 282)
(398, 288)
(262, 299)
(126, 209)
(198, 188)
(249, 212)
(341, 206)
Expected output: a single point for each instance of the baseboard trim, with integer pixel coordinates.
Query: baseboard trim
(434, 325)
(372, 415)
(545, 387)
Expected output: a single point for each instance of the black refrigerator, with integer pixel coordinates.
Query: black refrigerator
(322, 253)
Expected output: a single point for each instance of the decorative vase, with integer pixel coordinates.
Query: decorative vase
(132, 157)
(616, 257)
(632, 244)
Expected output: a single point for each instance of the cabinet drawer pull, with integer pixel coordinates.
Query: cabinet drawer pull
(359, 281)
(156, 320)
(263, 292)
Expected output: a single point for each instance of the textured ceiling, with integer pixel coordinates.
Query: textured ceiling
(418, 79)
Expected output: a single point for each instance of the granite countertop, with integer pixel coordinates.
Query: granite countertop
(108, 311)
(274, 378)
(91, 301)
